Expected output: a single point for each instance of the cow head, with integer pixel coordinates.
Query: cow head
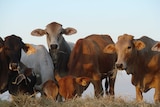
(156, 47)
(11, 47)
(126, 47)
(54, 33)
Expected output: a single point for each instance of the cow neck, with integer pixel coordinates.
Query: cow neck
(134, 64)
(4, 69)
(64, 47)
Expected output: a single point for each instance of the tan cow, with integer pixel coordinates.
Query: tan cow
(135, 56)
(50, 90)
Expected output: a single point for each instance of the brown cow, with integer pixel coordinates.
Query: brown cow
(68, 83)
(87, 59)
(135, 56)
(156, 47)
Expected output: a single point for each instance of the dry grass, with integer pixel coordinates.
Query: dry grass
(30, 101)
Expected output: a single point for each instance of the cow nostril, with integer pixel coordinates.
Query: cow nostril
(13, 66)
(119, 66)
(54, 46)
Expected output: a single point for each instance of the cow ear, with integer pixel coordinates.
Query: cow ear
(110, 49)
(84, 81)
(1, 44)
(69, 31)
(156, 47)
(38, 32)
(139, 45)
(29, 49)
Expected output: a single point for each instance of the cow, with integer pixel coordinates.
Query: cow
(41, 63)
(156, 47)
(21, 82)
(50, 89)
(10, 54)
(67, 85)
(136, 58)
(87, 59)
(58, 47)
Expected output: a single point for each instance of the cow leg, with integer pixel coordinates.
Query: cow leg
(80, 89)
(157, 94)
(139, 96)
(111, 85)
(106, 86)
(98, 90)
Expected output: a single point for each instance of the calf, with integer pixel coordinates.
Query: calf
(50, 90)
(68, 83)
(21, 82)
(65, 87)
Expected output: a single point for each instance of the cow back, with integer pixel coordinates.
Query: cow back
(87, 57)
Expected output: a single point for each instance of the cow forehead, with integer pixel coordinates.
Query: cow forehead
(12, 41)
(124, 41)
(53, 28)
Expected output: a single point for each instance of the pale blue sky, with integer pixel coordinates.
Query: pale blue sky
(113, 17)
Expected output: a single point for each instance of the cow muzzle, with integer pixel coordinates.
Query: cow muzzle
(120, 66)
(14, 66)
(53, 46)
(54, 53)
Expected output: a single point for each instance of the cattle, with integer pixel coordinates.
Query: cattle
(58, 47)
(156, 47)
(10, 54)
(136, 58)
(21, 82)
(68, 83)
(50, 90)
(87, 59)
(65, 86)
(41, 63)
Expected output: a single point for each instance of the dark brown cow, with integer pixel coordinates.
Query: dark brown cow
(10, 54)
(59, 49)
(87, 59)
(135, 56)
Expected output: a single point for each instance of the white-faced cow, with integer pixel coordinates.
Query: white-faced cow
(41, 63)
(87, 59)
(10, 76)
(136, 57)
(58, 47)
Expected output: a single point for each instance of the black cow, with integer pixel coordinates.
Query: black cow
(10, 54)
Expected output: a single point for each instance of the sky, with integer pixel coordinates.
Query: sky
(113, 17)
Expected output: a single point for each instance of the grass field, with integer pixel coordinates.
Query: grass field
(30, 101)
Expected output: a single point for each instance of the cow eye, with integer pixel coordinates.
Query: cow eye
(47, 33)
(129, 47)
